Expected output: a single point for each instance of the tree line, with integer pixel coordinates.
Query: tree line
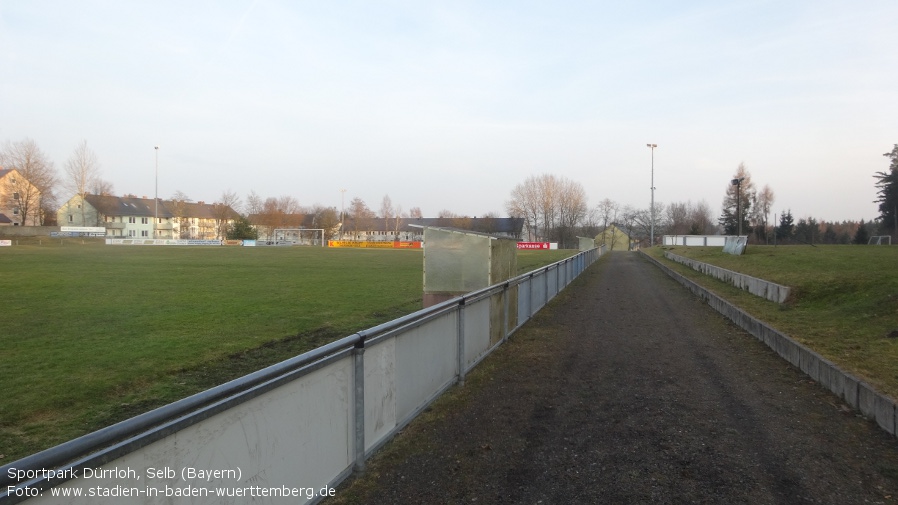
(554, 208)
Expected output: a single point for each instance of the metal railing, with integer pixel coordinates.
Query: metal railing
(309, 421)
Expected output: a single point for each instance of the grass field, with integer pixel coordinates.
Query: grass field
(844, 301)
(93, 334)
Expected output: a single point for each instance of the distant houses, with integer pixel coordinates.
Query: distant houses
(19, 200)
(130, 216)
(133, 217)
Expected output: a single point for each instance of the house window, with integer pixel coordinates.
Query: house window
(15, 196)
(15, 211)
(144, 220)
(131, 233)
(132, 220)
(144, 233)
(71, 218)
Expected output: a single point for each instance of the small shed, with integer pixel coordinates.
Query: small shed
(586, 243)
(457, 262)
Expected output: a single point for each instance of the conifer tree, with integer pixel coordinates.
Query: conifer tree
(887, 184)
(861, 236)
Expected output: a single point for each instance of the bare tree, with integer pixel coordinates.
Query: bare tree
(253, 203)
(626, 218)
(764, 203)
(607, 210)
(101, 187)
(415, 213)
(551, 207)
(177, 205)
(701, 219)
(326, 218)
(361, 214)
(34, 197)
(572, 208)
(678, 218)
(687, 218)
(281, 212)
(386, 211)
(81, 172)
(397, 221)
(527, 202)
(225, 210)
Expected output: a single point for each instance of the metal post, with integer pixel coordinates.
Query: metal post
(156, 197)
(460, 334)
(358, 354)
(652, 236)
(505, 297)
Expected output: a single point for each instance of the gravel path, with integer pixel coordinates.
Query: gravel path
(627, 389)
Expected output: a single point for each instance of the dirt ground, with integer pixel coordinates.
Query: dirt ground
(627, 389)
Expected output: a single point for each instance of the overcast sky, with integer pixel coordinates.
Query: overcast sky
(449, 105)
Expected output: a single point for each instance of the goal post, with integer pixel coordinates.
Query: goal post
(300, 236)
(880, 240)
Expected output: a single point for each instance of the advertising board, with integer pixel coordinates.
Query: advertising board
(374, 245)
(534, 245)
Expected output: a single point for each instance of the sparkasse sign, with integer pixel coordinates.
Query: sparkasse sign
(533, 245)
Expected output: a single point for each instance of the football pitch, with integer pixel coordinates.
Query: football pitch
(93, 334)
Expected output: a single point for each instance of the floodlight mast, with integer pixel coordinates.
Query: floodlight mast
(156, 196)
(738, 184)
(652, 233)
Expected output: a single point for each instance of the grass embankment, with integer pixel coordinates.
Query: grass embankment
(94, 334)
(844, 300)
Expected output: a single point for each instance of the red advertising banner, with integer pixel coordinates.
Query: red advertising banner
(533, 245)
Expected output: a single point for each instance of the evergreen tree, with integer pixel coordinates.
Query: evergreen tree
(861, 237)
(829, 236)
(887, 184)
(787, 223)
(733, 209)
(242, 229)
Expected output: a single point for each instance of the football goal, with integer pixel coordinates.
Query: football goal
(880, 240)
(300, 236)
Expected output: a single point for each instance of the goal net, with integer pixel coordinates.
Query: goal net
(299, 236)
(880, 240)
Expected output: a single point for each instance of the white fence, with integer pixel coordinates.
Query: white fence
(695, 240)
(290, 432)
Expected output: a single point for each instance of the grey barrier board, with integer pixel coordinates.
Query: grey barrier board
(885, 413)
(856, 393)
(829, 378)
(759, 287)
(866, 400)
(850, 390)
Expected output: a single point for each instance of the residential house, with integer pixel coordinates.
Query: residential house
(133, 217)
(19, 200)
(616, 238)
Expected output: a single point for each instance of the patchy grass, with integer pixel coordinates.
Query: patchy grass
(93, 334)
(844, 301)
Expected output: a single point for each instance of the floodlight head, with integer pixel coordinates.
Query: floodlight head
(156, 147)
